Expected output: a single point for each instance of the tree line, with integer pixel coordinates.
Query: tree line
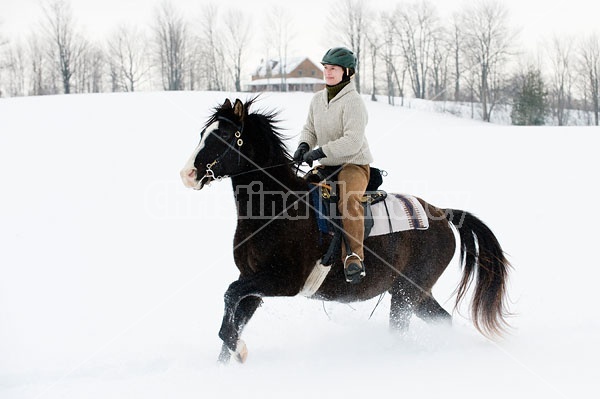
(474, 56)
(166, 55)
(407, 50)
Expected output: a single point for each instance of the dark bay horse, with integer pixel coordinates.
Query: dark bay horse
(276, 246)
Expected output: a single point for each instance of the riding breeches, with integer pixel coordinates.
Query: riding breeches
(352, 183)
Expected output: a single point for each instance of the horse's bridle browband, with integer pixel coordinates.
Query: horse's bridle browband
(236, 140)
(239, 127)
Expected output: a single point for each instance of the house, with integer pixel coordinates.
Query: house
(297, 74)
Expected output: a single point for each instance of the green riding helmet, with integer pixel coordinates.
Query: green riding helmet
(340, 56)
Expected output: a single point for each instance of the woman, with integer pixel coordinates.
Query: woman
(334, 134)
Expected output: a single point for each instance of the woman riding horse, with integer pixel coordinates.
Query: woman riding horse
(336, 123)
(277, 241)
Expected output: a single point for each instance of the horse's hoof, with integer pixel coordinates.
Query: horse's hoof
(225, 355)
(241, 351)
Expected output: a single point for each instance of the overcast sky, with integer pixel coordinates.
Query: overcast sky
(537, 19)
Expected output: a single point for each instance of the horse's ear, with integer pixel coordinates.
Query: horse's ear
(238, 109)
(226, 104)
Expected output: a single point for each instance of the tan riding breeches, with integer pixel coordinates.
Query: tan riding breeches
(352, 183)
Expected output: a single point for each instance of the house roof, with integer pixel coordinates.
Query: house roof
(274, 81)
(273, 65)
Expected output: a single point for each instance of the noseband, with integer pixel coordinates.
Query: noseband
(236, 140)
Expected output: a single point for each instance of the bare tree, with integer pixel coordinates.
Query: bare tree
(171, 34)
(279, 33)
(590, 66)
(3, 43)
(90, 76)
(417, 26)
(237, 36)
(14, 64)
(127, 52)
(67, 45)
(39, 69)
(197, 66)
(375, 45)
(439, 67)
(560, 52)
(488, 40)
(387, 55)
(210, 49)
(82, 81)
(393, 60)
(455, 39)
(348, 18)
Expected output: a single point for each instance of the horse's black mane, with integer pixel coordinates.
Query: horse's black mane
(262, 125)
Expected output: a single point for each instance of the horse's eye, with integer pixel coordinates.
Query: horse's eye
(224, 135)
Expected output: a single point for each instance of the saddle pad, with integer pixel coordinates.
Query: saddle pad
(405, 213)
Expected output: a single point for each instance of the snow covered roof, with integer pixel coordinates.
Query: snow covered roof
(272, 81)
(291, 64)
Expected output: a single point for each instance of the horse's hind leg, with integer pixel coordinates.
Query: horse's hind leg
(405, 297)
(409, 298)
(429, 253)
(431, 311)
(243, 314)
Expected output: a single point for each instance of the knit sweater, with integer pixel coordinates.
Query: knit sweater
(338, 127)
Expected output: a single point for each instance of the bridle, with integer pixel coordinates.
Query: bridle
(235, 141)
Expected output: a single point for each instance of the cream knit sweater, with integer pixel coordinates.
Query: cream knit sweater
(338, 127)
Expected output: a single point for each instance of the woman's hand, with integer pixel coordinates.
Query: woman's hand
(313, 155)
(299, 154)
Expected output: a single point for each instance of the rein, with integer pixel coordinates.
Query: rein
(211, 173)
(259, 169)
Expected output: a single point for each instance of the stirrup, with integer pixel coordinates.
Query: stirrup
(354, 270)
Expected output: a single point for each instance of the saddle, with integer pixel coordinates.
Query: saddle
(329, 175)
(389, 214)
(324, 198)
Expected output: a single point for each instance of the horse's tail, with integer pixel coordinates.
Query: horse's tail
(481, 255)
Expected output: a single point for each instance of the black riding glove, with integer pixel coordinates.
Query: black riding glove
(313, 155)
(299, 154)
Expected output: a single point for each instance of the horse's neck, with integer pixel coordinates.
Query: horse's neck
(262, 197)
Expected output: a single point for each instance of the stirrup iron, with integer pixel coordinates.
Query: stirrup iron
(355, 271)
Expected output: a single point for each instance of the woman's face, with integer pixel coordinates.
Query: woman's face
(332, 74)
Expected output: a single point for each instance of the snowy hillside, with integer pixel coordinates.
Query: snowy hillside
(112, 273)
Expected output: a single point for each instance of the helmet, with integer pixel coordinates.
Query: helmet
(340, 56)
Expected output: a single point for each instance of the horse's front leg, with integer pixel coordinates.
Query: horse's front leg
(242, 298)
(243, 313)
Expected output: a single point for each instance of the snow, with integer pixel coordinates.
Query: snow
(112, 273)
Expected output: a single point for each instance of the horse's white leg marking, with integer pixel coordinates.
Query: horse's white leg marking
(241, 351)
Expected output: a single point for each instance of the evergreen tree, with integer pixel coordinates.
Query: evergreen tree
(530, 103)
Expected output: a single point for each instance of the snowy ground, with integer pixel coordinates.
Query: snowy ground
(104, 292)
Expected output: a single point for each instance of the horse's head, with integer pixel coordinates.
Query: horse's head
(219, 152)
(234, 142)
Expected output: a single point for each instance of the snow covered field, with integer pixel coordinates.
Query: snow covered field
(112, 273)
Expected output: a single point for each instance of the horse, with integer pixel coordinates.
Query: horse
(275, 248)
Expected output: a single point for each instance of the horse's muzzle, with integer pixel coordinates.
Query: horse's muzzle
(189, 177)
